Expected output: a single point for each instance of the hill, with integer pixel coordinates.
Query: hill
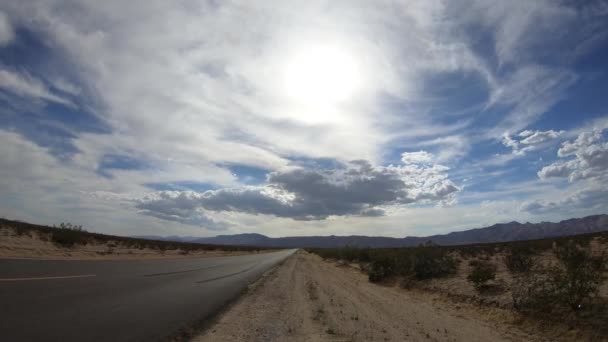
(502, 232)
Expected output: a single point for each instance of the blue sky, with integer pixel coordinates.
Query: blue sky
(298, 118)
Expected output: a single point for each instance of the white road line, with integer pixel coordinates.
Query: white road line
(48, 278)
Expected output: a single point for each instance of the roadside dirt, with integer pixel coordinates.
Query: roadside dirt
(35, 246)
(307, 299)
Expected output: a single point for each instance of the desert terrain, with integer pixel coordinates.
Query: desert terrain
(27, 241)
(311, 299)
(307, 299)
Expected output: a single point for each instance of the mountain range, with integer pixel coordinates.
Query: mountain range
(502, 232)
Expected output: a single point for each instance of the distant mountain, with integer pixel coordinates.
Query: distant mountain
(167, 238)
(501, 232)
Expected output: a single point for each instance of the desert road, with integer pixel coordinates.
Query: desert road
(131, 300)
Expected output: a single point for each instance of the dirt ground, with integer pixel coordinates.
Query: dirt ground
(307, 299)
(35, 246)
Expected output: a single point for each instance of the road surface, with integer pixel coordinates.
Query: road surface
(134, 300)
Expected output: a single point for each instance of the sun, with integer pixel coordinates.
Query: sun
(321, 76)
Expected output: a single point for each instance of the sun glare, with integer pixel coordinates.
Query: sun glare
(321, 76)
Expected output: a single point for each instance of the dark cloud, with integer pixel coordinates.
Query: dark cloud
(354, 188)
(178, 207)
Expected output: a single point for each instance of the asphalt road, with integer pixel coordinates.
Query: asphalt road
(134, 300)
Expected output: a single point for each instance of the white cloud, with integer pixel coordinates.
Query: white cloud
(219, 81)
(525, 133)
(7, 34)
(533, 140)
(592, 199)
(39, 188)
(26, 85)
(66, 87)
(521, 25)
(585, 166)
(539, 137)
(590, 152)
(420, 157)
(529, 92)
(559, 169)
(187, 89)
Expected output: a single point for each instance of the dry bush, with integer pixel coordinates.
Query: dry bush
(579, 274)
(481, 273)
(575, 279)
(534, 293)
(519, 259)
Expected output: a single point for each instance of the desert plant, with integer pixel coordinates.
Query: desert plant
(519, 259)
(432, 262)
(382, 266)
(576, 278)
(579, 274)
(481, 273)
(67, 225)
(66, 237)
(534, 293)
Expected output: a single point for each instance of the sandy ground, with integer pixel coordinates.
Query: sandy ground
(35, 246)
(307, 299)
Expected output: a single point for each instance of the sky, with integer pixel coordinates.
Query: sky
(285, 118)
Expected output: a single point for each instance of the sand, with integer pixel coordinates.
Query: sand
(307, 299)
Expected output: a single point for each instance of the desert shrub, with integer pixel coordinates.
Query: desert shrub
(382, 266)
(67, 225)
(534, 293)
(67, 235)
(404, 263)
(481, 273)
(579, 275)
(576, 278)
(519, 259)
(432, 262)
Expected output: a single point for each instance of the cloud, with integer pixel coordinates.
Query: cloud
(178, 207)
(539, 137)
(66, 87)
(420, 157)
(592, 199)
(201, 94)
(6, 30)
(28, 86)
(585, 165)
(532, 140)
(357, 188)
(588, 158)
(557, 170)
(528, 92)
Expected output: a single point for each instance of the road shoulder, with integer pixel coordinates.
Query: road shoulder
(306, 299)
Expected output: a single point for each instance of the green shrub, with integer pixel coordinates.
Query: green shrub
(481, 273)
